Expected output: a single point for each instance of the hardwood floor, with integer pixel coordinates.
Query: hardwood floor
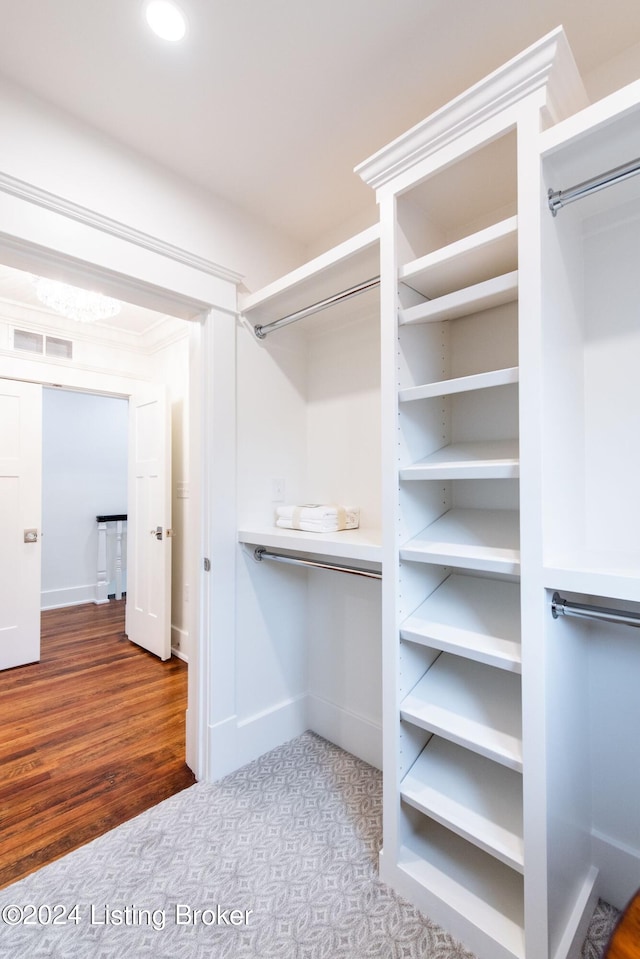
(89, 737)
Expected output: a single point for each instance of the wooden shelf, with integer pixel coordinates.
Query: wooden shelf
(471, 260)
(473, 617)
(465, 302)
(356, 544)
(478, 799)
(479, 887)
(495, 459)
(349, 263)
(470, 704)
(460, 384)
(482, 539)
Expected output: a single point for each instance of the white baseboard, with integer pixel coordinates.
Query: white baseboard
(357, 735)
(69, 596)
(234, 742)
(180, 643)
(619, 869)
(260, 732)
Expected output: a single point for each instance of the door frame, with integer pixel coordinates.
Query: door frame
(51, 236)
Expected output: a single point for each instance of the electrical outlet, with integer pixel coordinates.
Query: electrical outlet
(185, 592)
(277, 490)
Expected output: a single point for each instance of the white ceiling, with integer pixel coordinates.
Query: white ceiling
(272, 104)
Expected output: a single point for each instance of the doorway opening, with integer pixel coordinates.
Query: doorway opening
(80, 432)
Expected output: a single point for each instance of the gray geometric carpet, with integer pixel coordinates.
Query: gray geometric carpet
(280, 858)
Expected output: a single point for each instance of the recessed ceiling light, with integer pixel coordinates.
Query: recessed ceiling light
(166, 20)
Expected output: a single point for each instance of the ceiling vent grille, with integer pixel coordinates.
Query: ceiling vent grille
(25, 340)
(54, 346)
(44, 345)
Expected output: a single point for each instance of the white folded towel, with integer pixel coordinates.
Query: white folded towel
(314, 518)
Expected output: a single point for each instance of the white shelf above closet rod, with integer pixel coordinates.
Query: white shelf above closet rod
(262, 331)
(260, 553)
(559, 198)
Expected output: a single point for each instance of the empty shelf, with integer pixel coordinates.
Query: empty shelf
(596, 572)
(472, 705)
(470, 260)
(496, 459)
(460, 384)
(478, 799)
(479, 887)
(473, 617)
(472, 299)
(482, 539)
(351, 262)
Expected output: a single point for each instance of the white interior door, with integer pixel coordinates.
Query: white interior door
(20, 518)
(148, 607)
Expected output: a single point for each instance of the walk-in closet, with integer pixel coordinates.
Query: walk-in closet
(463, 374)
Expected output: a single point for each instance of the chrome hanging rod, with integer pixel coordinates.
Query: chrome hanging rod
(561, 607)
(261, 553)
(262, 331)
(560, 198)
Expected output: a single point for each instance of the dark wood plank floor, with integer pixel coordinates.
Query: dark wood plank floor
(89, 737)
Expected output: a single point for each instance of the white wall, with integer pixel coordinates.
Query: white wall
(44, 146)
(84, 474)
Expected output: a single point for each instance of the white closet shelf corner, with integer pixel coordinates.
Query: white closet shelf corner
(356, 544)
(472, 299)
(472, 705)
(476, 257)
(460, 384)
(353, 261)
(596, 573)
(478, 799)
(475, 539)
(470, 616)
(495, 459)
(466, 878)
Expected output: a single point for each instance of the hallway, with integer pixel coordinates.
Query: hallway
(89, 737)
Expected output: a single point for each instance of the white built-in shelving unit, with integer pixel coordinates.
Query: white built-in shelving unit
(482, 410)
(460, 769)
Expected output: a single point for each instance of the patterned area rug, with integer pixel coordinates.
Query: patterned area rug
(276, 861)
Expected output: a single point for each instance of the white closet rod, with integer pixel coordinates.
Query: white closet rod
(560, 198)
(561, 607)
(261, 553)
(262, 331)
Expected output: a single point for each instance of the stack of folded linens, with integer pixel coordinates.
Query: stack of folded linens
(318, 519)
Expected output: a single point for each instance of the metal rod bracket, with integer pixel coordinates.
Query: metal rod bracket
(562, 607)
(559, 198)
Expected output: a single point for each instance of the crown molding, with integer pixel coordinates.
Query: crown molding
(547, 66)
(74, 211)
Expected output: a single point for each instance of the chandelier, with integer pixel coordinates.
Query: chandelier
(74, 303)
